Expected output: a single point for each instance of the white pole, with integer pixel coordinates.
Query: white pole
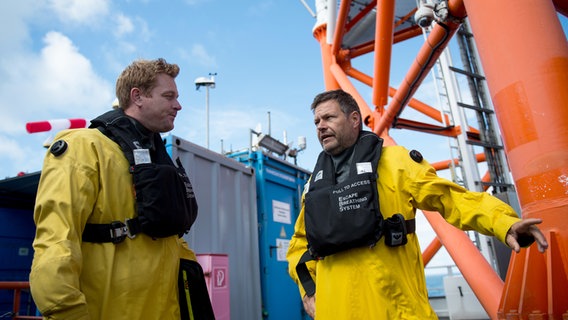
(207, 111)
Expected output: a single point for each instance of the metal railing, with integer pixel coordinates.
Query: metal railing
(18, 287)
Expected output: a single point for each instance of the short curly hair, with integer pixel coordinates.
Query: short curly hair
(346, 102)
(141, 74)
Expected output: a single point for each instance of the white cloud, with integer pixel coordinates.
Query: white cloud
(200, 54)
(196, 2)
(20, 157)
(124, 43)
(80, 11)
(13, 15)
(72, 82)
(124, 25)
(59, 82)
(232, 124)
(143, 30)
(10, 149)
(124, 47)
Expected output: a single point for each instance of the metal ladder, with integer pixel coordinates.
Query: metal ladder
(463, 148)
(488, 137)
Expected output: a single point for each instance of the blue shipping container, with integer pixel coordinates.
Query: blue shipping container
(279, 187)
(17, 230)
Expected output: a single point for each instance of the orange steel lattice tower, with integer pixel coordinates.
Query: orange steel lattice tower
(524, 54)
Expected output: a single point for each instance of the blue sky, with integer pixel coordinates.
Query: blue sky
(60, 59)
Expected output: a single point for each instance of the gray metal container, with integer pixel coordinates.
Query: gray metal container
(227, 222)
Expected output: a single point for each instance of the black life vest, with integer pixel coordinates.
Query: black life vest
(341, 216)
(165, 201)
(345, 215)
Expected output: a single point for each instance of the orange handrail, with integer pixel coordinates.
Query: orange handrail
(17, 286)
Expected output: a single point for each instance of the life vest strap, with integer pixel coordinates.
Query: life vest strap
(304, 274)
(410, 225)
(114, 232)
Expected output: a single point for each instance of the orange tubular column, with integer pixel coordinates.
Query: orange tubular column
(383, 48)
(525, 57)
(320, 33)
(481, 277)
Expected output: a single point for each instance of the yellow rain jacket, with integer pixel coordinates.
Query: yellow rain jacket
(71, 279)
(386, 283)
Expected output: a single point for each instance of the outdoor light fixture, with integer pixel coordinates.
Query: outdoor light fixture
(272, 144)
(207, 83)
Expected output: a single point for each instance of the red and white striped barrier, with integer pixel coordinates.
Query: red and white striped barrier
(58, 124)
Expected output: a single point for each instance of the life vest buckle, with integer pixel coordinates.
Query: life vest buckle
(119, 231)
(130, 230)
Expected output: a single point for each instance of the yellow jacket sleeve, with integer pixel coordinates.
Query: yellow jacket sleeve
(65, 181)
(464, 209)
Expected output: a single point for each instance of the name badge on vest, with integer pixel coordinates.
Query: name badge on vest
(364, 167)
(319, 176)
(141, 156)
